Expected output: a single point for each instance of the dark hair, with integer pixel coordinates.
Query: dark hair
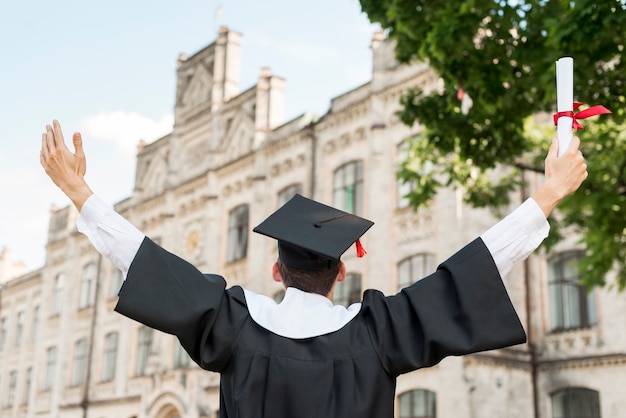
(311, 281)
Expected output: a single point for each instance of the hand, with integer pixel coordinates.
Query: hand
(567, 172)
(564, 175)
(65, 169)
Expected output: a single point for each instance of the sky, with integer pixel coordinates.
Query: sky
(108, 70)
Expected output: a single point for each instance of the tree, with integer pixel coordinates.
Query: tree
(502, 54)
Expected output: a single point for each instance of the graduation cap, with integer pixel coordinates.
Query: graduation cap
(311, 235)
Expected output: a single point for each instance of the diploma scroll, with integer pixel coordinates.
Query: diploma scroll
(564, 101)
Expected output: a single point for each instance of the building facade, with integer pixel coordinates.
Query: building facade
(229, 162)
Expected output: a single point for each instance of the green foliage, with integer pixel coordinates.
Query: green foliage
(502, 53)
(598, 208)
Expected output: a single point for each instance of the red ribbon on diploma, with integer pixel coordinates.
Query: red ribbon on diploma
(583, 114)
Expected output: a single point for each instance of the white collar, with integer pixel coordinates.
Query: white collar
(300, 314)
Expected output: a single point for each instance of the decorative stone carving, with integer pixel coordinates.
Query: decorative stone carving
(195, 86)
(193, 242)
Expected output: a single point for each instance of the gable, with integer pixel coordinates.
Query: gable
(152, 177)
(238, 139)
(197, 90)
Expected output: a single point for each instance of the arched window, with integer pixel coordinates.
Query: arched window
(349, 291)
(168, 411)
(116, 282)
(88, 286)
(28, 381)
(35, 330)
(12, 386)
(3, 332)
(57, 294)
(79, 371)
(418, 403)
(19, 331)
(288, 192)
(51, 363)
(576, 403)
(403, 188)
(109, 359)
(144, 347)
(415, 268)
(181, 358)
(571, 306)
(348, 187)
(237, 234)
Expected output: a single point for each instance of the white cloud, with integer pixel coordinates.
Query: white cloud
(125, 129)
(28, 194)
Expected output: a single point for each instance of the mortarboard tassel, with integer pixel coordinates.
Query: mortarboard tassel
(360, 251)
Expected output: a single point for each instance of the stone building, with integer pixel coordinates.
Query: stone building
(229, 161)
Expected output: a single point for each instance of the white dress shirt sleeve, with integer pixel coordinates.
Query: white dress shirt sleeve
(112, 235)
(515, 237)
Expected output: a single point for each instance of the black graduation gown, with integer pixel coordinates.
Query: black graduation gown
(462, 308)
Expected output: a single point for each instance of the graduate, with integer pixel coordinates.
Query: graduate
(305, 357)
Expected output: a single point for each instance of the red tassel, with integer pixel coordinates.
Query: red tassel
(360, 251)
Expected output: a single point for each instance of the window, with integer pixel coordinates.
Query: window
(12, 385)
(403, 188)
(109, 359)
(417, 403)
(88, 286)
(51, 362)
(349, 291)
(19, 331)
(571, 306)
(35, 329)
(116, 282)
(288, 192)
(348, 187)
(79, 371)
(237, 234)
(3, 332)
(57, 294)
(181, 358)
(27, 384)
(144, 346)
(576, 403)
(414, 268)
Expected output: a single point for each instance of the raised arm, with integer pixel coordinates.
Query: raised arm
(515, 237)
(65, 169)
(111, 234)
